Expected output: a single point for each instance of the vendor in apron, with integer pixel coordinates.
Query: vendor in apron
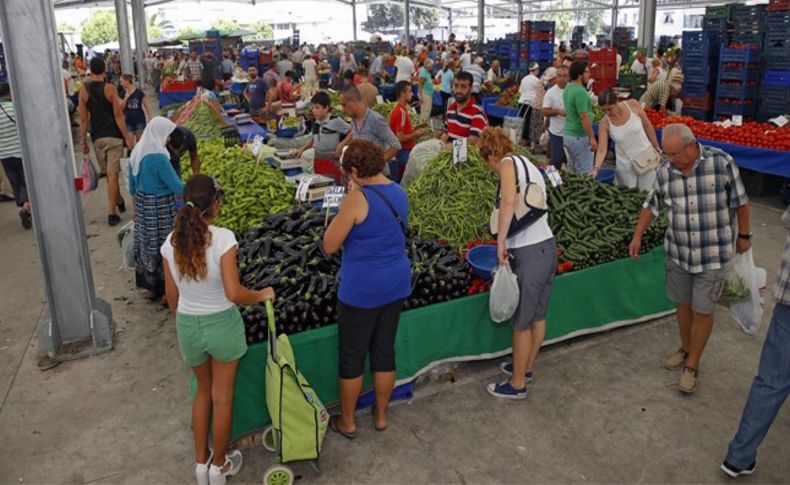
(327, 133)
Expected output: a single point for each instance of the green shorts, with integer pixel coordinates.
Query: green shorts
(218, 335)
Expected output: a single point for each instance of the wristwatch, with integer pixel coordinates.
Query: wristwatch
(746, 236)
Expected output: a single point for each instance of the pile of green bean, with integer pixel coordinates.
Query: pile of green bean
(253, 190)
(453, 202)
(203, 123)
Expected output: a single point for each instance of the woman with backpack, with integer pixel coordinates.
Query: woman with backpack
(530, 251)
(203, 289)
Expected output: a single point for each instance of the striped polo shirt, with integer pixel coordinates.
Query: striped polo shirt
(469, 121)
(9, 137)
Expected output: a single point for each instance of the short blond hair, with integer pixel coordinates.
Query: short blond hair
(656, 62)
(495, 141)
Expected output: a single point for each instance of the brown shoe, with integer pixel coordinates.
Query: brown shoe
(688, 380)
(676, 360)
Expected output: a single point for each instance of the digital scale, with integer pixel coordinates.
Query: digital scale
(319, 184)
(242, 119)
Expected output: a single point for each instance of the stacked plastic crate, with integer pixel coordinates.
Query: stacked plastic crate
(700, 60)
(577, 38)
(739, 72)
(537, 44)
(748, 22)
(623, 40)
(603, 68)
(719, 21)
(775, 88)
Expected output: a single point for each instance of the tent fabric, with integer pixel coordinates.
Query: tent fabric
(461, 330)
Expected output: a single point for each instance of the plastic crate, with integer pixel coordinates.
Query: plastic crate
(779, 58)
(724, 107)
(601, 85)
(697, 114)
(600, 73)
(740, 91)
(778, 6)
(719, 11)
(742, 74)
(698, 73)
(607, 55)
(777, 78)
(544, 25)
(696, 90)
(743, 11)
(765, 113)
(702, 103)
(705, 50)
(739, 55)
(755, 39)
(777, 96)
(541, 51)
(539, 35)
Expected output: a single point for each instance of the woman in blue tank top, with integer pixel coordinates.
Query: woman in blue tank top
(375, 278)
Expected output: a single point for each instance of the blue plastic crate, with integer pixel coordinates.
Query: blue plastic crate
(741, 91)
(777, 78)
(716, 24)
(698, 73)
(772, 95)
(779, 58)
(697, 114)
(739, 55)
(696, 90)
(741, 73)
(765, 113)
(727, 108)
(704, 49)
(542, 26)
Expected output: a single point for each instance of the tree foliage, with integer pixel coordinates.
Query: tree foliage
(99, 29)
(66, 27)
(386, 17)
(160, 22)
(263, 31)
(186, 31)
(565, 21)
(222, 24)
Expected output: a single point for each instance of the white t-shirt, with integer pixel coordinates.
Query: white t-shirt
(309, 69)
(69, 80)
(491, 75)
(638, 67)
(466, 59)
(539, 231)
(528, 89)
(553, 100)
(405, 69)
(207, 296)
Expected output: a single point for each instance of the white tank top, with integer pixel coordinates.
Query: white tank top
(630, 137)
(539, 230)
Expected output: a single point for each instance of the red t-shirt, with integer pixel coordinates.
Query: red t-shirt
(470, 121)
(285, 91)
(401, 122)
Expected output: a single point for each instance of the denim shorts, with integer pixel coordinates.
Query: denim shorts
(135, 127)
(580, 154)
(218, 335)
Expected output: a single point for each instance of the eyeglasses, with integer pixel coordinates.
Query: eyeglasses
(219, 194)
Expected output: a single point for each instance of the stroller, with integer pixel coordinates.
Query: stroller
(299, 419)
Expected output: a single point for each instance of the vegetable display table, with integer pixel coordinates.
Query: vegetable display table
(495, 111)
(592, 300)
(172, 97)
(248, 131)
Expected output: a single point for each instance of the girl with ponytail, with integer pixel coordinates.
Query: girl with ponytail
(202, 287)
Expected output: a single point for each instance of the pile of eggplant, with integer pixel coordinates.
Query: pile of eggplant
(286, 253)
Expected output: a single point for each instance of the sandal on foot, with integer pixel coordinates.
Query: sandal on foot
(334, 426)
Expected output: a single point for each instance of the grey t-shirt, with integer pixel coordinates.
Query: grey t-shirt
(327, 135)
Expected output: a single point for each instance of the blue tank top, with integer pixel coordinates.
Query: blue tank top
(375, 270)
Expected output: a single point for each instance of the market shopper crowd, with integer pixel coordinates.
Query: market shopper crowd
(183, 258)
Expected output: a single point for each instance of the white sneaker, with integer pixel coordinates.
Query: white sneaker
(201, 470)
(215, 474)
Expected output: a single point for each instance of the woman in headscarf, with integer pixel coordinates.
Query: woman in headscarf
(154, 185)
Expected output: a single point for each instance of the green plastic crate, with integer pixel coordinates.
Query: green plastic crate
(720, 11)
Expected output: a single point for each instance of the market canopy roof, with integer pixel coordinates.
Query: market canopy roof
(222, 33)
(163, 42)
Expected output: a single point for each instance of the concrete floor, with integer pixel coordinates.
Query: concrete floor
(602, 409)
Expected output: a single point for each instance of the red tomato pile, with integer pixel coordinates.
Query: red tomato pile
(752, 134)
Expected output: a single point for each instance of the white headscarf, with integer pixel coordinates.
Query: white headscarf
(154, 140)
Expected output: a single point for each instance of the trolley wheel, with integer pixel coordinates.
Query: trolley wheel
(268, 439)
(278, 475)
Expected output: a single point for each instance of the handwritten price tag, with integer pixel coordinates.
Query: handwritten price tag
(554, 176)
(460, 151)
(333, 197)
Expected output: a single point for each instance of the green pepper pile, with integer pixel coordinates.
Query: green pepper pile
(594, 222)
(253, 190)
(203, 123)
(453, 202)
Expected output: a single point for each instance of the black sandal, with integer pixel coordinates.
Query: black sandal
(336, 428)
(122, 206)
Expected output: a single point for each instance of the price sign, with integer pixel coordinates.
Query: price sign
(779, 121)
(303, 188)
(554, 176)
(257, 143)
(333, 197)
(460, 151)
(379, 99)
(737, 120)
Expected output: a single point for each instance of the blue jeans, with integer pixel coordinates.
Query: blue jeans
(769, 391)
(579, 152)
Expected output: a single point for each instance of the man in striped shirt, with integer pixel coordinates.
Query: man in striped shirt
(11, 155)
(658, 94)
(464, 118)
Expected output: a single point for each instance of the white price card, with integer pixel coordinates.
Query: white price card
(779, 121)
(379, 99)
(460, 151)
(737, 120)
(554, 176)
(303, 188)
(257, 143)
(333, 197)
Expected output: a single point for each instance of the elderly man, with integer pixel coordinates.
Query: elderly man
(366, 123)
(639, 66)
(658, 94)
(702, 189)
(478, 74)
(193, 68)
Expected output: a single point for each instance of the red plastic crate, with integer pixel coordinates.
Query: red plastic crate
(603, 73)
(702, 103)
(600, 86)
(606, 55)
(778, 5)
(541, 36)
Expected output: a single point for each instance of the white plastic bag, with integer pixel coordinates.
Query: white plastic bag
(126, 238)
(747, 310)
(420, 155)
(504, 295)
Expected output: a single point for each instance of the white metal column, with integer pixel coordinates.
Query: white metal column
(647, 25)
(354, 17)
(449, 22)
(124, 39)
(481, 22)
(615, 13)
(520, 15)
(406, 22)
(140, 38)
(75, 316)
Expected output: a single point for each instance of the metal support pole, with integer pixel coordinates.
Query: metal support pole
(406, 22)
(449, 22)
(77, 323)
(140, 38)
(481, 24)
(354, 17)
(647, 25)
(615, 13)
(124, 39)
(520, 15)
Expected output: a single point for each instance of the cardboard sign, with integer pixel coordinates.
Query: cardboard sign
(737, 120)
(333, 197)
(302, 189)
(554, 176)
(460, 151)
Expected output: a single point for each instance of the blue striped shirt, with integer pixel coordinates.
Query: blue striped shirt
(9, 136)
